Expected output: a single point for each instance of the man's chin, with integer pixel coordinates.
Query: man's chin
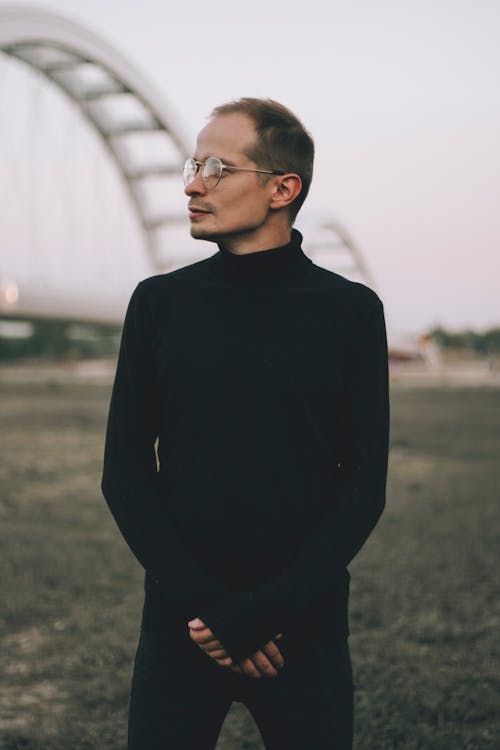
(199, 233)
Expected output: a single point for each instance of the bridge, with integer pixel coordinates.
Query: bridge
(91, 191)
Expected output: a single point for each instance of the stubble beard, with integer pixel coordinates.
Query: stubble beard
(198, 233)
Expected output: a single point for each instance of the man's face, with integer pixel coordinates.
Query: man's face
(239, 204)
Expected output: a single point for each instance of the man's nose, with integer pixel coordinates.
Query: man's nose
(196, 186)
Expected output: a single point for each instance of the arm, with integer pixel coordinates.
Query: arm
(130, 479)
(245, 620)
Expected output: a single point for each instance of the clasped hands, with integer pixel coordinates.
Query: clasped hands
(266, 662)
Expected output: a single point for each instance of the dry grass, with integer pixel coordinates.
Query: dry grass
(425, 612)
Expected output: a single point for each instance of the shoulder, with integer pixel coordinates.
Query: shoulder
(162, 281)
(351, 294)
(160, 288)
(156, 295)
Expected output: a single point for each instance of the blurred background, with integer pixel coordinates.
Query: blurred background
(100, 104)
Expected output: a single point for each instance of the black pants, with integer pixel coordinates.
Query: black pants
(180, 696)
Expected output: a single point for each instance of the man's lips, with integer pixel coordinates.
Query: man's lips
(196, 211)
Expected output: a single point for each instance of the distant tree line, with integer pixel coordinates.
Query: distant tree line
(51, 339)
(482, 343)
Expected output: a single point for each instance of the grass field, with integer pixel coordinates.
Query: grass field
(425, 604)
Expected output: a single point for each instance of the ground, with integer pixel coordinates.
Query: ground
(425, 602)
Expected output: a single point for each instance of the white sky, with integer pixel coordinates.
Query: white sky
(402, 99)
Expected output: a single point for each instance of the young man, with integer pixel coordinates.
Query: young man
(264, 379)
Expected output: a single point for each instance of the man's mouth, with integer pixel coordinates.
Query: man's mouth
(195, 212)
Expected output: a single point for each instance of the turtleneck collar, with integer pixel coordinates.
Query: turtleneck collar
(263, 267)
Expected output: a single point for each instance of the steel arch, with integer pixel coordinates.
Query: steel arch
(62, 50)
(331, 246)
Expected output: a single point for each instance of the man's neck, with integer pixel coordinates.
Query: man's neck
(254, 242)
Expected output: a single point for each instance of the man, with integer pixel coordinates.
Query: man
(264, 380)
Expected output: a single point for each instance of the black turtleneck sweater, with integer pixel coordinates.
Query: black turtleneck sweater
(264, 379)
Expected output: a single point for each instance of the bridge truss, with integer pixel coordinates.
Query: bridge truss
(142, 138)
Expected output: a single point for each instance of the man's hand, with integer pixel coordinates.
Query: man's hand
(263, 663)
(205, 639)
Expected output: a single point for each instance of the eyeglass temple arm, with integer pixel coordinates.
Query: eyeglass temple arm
(245, 169)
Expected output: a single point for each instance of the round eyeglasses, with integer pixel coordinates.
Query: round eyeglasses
(211, 171)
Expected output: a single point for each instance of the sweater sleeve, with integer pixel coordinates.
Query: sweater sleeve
(130, 477)
(245, 621)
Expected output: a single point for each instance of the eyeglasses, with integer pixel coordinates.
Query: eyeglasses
(211, 171)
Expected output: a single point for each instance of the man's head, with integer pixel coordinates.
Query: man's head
(274, 154)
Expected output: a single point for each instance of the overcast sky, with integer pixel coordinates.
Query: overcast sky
(402, 99)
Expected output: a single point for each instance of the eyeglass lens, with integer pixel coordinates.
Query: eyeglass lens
(211, 171)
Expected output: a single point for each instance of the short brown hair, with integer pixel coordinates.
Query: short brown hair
(282, 141)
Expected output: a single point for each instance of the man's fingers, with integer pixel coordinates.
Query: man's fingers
(196, 624)
(249, 668)
(203, 637)
(211, 646)
(263, 664)
(273, 654)
(224, 661)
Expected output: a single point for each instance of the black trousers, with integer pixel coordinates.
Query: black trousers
(180, 696)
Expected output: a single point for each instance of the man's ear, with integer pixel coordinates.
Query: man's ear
(286, 189)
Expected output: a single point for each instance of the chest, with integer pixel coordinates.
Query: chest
(258, 344)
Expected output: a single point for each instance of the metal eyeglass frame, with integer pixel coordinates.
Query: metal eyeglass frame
(221, 167)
